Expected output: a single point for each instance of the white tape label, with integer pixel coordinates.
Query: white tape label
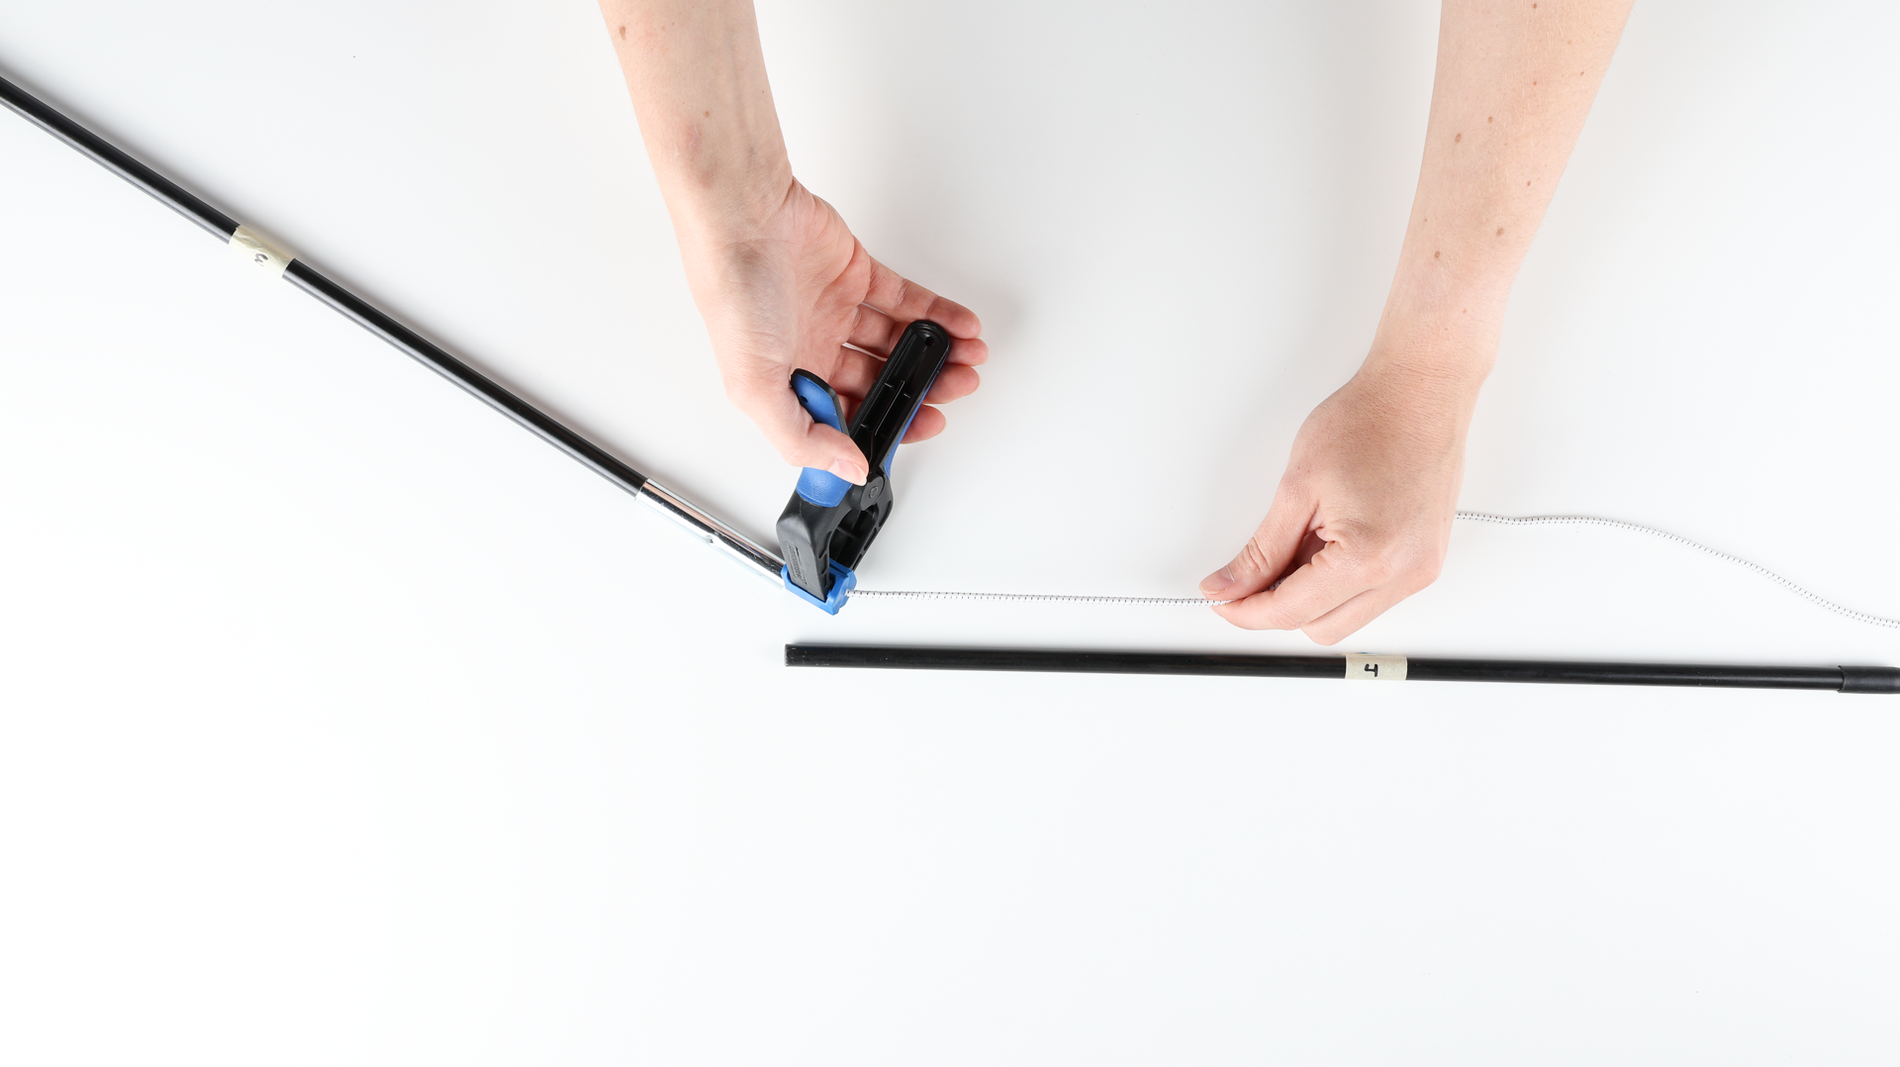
(259, 252)
(1375, 668)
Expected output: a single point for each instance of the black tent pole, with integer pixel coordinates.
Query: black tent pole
(1347, 668)
(696, 521)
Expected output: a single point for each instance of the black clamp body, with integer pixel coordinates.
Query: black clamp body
(829, 522)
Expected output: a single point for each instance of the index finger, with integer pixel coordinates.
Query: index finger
(1330, 579)
(906, 301)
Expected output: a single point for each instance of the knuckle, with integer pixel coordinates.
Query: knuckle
(1278, 617)
(1233, 617)
(1378, 570)
(1351, 530)
(1242, 614)
(1409, 564)
(1421, 566)
(1324, 635)
(1253, 558)
(792, 449)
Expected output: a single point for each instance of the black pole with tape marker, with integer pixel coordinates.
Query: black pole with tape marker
(703, 525)
(1350, 668)
(306, 277)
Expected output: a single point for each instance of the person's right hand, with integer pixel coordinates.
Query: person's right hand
(796, 290)
(1362, 518)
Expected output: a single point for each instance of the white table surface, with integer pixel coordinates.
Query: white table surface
(341, 721)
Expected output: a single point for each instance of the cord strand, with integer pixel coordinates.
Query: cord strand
(1469, 516)
(1062, 598)
(1590, 520)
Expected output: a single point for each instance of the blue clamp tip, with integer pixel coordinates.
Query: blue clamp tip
(843, 580)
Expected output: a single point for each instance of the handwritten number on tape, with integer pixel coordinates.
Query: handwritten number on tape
(1375, 668)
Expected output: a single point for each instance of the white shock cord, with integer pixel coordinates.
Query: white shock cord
(1590, 520)
(1468, 516)
(1062, 598)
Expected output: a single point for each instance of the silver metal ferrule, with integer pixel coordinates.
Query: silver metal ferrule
(694, 520)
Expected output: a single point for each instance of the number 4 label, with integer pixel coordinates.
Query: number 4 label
(1375, 668)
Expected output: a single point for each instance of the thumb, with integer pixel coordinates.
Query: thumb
(1267, 555)
(800, 439)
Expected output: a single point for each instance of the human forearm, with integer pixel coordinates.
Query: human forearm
(1362, 517)
(696, 73)
(779, 278)
(1514, 85)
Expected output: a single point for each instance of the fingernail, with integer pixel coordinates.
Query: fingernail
(1216, 583)
(847, 470)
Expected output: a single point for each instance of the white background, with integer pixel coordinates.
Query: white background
(345, 722)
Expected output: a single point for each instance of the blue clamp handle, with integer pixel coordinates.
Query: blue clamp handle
(822, 488)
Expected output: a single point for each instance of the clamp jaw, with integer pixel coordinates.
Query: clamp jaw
(829, 522)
